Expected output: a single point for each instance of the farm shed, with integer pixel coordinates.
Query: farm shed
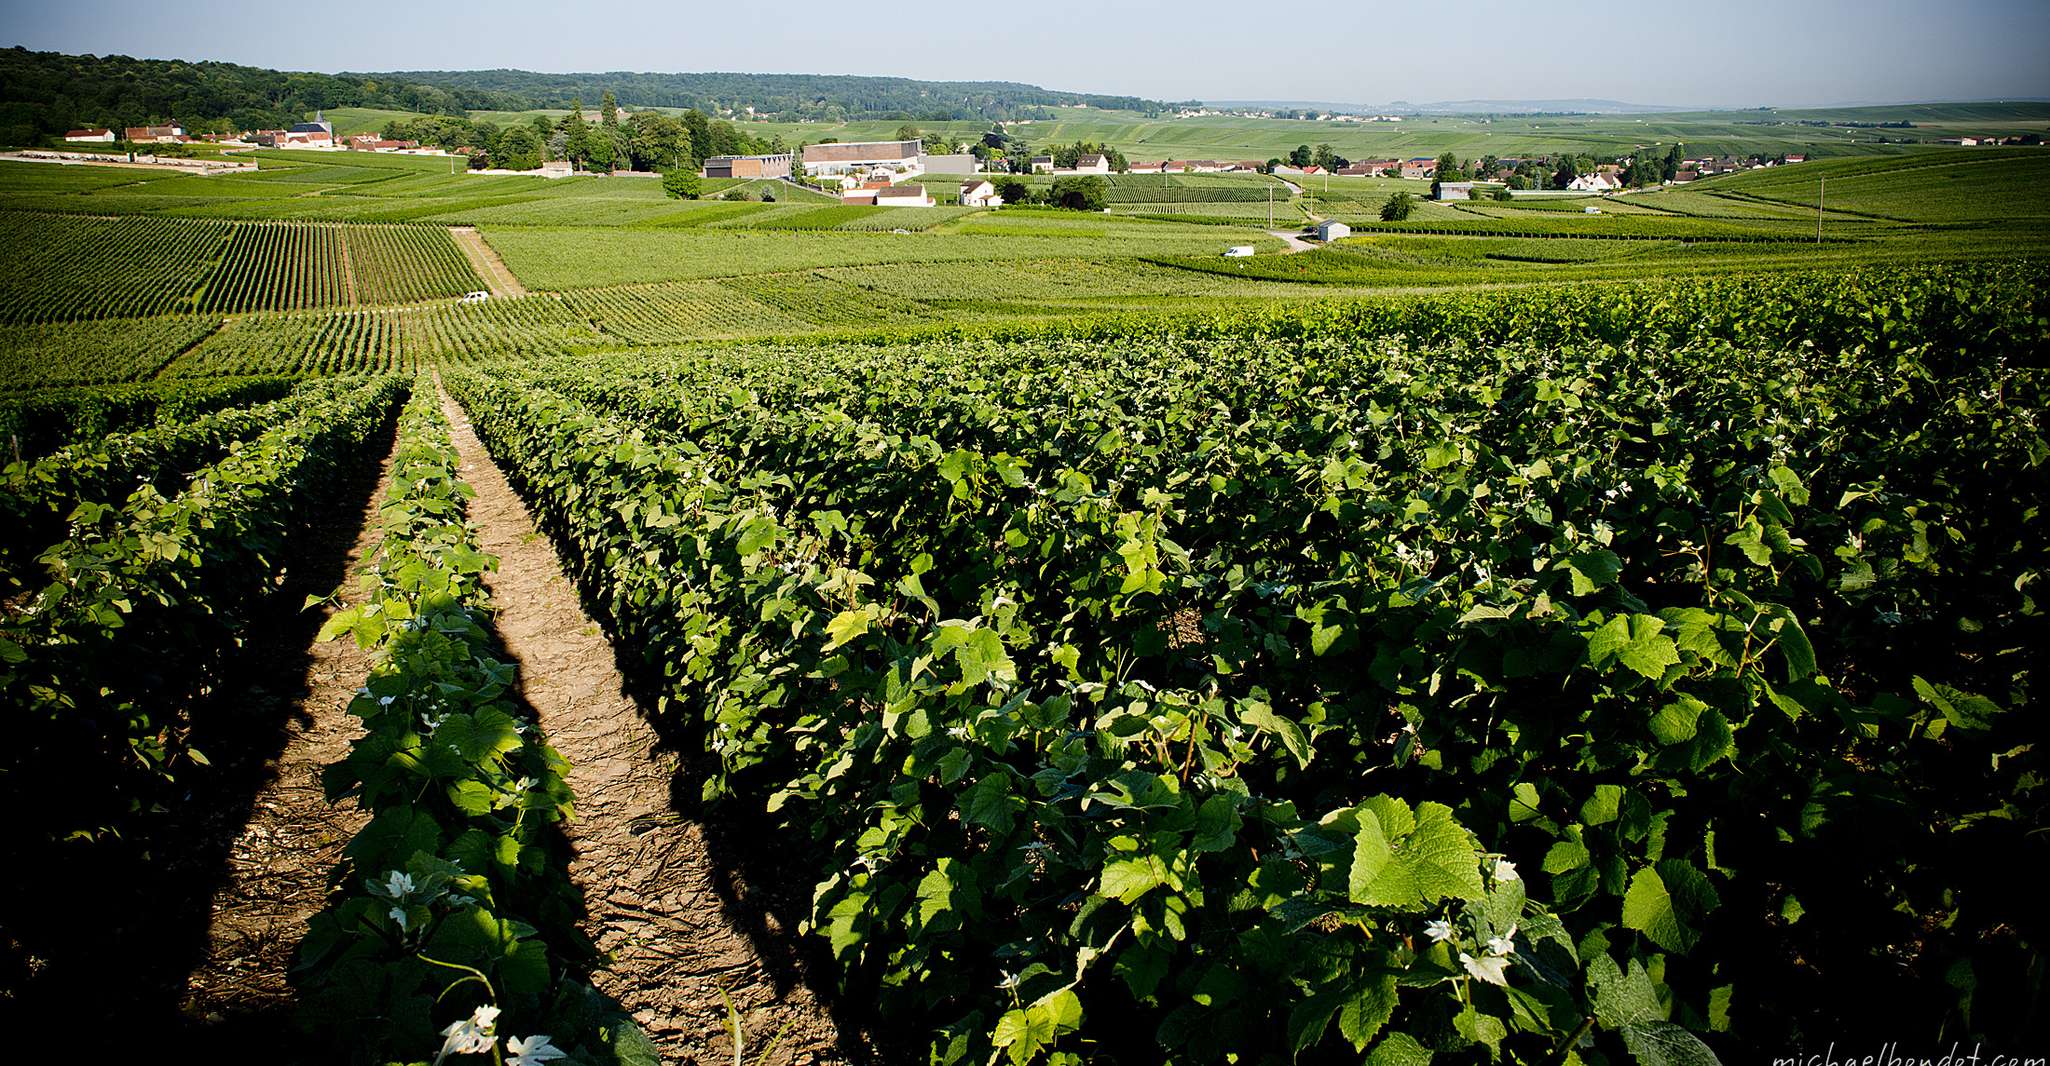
(1331, 229)
(957, 163)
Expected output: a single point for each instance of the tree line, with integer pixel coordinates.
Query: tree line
(641, 140)
(46, 93)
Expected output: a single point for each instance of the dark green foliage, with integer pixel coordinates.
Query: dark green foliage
(1143, 692)
(1083, 192)
(463, 863)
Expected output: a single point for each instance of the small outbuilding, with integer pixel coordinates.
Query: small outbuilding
(1331, 229)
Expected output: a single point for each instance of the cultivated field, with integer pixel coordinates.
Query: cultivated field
(798, 633)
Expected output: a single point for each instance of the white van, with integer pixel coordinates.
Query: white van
(1238, 251)
(477, 297)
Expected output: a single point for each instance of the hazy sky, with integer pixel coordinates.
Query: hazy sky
(1728, 52)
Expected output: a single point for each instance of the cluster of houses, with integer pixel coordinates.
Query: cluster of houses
(1709, 166)
(876, 173)
(171, 134)
(1195, 166)
(319, 133)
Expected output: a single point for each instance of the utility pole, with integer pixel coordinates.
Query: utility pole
(1821, 184)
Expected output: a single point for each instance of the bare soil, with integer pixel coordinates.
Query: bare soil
(677, 926)
(484, 259)
(177, 938)
(278, 865)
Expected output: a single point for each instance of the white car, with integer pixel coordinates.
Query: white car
(477, 297)
(1238, 251)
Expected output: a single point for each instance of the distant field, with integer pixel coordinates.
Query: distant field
(1939, 186)
(1225, 137)
(596, 257)
(288, 248)
(1220, 137)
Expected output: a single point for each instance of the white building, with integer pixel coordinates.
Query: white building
(980, 194)
(903, 196)
(1332, 229)
(1089, 163)
(1593, 183)
(863, 158)
(93, 135)
(1042, 164)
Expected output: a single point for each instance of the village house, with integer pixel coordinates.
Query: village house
(319, 133)
(1143, 168)
(748, 166)
(1797, 159)
(863, 160)
(1415, 169)
(1087, 163)
(911, 195)
(97, 134)
(370, 142)
(1368, 168)
(1596, 182)
(171, 134)
(1042, 164)
(1682, 177)
(980, 194)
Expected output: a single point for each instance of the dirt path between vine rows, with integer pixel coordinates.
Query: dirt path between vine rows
(648, 881)
(278, 865)
(485, 260)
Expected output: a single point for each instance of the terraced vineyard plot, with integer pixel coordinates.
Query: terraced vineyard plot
(61, 268)
(1942, 186)
(955, 284)
(913, 219)
(85, 353)
(821, 301)
(679, 311)
(296, 266)
(334, 342)
(558, 259)
(1286, 212)
(407, 264)
(391, 339)
(525, 327)
(281, 267)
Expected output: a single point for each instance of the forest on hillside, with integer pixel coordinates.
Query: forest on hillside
(44, 93)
